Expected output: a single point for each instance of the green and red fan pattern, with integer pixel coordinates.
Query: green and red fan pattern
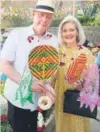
(43, 62)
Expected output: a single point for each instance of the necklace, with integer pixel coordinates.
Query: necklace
(68, 54)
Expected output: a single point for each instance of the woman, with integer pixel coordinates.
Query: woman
(72, 54)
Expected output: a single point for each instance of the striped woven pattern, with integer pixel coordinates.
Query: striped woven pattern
(76, 68)
(43, 61)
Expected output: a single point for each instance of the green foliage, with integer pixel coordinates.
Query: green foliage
(17, 21)
(2, 87)
(16, 17)
(56, 22)
(91, 16)
(5, 127)
(87, 21)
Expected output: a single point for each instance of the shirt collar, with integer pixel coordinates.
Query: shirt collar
(31, 31)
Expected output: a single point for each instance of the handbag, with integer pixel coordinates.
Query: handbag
(72, 106)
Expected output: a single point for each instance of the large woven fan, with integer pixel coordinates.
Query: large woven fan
(76, 68)
(43, 61)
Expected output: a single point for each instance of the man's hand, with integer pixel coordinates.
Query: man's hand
(49, 88)
(50, 92)
(38, 86)
(45, 89)
(51, 96)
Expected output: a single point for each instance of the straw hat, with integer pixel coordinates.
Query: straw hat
(45, 6)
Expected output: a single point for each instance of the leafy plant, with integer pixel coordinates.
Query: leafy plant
(91, 15)
(16, 17)
(56, 22)
(5, 127)
(2, 83)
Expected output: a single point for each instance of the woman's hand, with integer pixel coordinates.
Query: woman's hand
(78, 85)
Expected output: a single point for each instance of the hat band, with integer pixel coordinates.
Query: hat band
(45, 7)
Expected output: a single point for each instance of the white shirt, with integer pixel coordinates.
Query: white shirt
(17, 49)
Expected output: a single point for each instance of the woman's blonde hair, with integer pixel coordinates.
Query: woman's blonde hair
(81, 35)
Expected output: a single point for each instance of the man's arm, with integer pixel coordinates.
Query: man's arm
(7, 68)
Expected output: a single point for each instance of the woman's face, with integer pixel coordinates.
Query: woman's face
(69, 33)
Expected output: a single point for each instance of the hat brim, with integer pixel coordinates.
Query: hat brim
(44, 10)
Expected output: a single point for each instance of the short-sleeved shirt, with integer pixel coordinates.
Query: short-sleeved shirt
(16, 49)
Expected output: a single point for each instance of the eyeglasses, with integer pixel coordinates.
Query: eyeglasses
(42, 14)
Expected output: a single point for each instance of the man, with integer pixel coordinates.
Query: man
(14, 58)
